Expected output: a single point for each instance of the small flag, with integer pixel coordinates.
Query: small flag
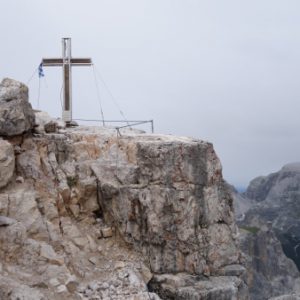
(41, 71)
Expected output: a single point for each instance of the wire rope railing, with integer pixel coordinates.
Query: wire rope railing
(129, 123)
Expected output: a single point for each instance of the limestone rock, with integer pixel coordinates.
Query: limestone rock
(44, 123)
(232, 270)
(185, 286)
(146, 274)
(48, 253)
(16, 114)
(23, 204)
(270, 232)
(241, 203)
(286, 297)
(50, 127)
(7, 162)
(4, 204)
(54, 282)
(72, 284)
(11, 89)
(62, 289)
(269, 271)
(20, 179)
(125, 284)
(167, 196)
(25, 293)
(75, 209)
(107, 232)
(5, 221)
(277, 196)
(29, 164)
(41, 118)
(162, 197)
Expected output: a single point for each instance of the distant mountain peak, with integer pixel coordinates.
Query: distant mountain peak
(291, 167)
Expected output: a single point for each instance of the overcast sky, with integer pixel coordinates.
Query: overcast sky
(223, 71)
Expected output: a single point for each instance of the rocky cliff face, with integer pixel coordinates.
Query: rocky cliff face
(86, 213)
(270, 233)
(167, 197)
(269, 271)
(16, 115)
(279, 203)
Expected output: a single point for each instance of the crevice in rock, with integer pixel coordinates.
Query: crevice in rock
(41, 209)
(99, 194)
(8, 205)
(61, 227)
(98, 214)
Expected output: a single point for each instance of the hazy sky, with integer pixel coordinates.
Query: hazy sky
(223, 71)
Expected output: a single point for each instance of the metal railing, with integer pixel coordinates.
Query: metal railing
(129, 123)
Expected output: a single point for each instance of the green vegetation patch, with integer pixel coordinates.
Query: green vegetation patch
(71, 181)
(253, 230)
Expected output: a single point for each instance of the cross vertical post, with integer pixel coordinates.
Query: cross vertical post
(67, 79)
(66, 62)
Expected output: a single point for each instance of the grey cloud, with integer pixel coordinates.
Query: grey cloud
(224, 71)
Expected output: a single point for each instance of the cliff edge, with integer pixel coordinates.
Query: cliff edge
(92, 213)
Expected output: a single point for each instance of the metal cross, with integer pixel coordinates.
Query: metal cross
(66, 62)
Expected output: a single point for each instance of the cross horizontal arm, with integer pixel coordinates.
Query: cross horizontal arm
(52, 62)
(57, 62)
(81, 61)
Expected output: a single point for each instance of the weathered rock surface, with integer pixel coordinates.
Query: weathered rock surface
(16, 115)
(96, 215)
(269, 271)
(241, 203)
(5, 221)
(185, 286)
(7, 162)
(286, 297)
(45, 124)
(85, 190)
(270, 231)
(278, 197)
(167, 197)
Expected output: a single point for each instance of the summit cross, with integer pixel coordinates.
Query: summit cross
(66, 62)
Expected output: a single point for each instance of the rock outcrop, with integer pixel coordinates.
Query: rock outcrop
(270, 233)
(286, 297)
(269, 271)
(16, 115)
(277, 199)
(92, 214)
(167, 197)
(185, 286)
(7, 162)
(241, 203)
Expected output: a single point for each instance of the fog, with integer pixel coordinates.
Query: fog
(223, 71)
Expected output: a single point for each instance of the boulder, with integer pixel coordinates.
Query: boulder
(16, 114)
(48, 253)
(11, 89)
(7, 162)
(46, 124)
(41, 118)
(50, 127)
(184, 286)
